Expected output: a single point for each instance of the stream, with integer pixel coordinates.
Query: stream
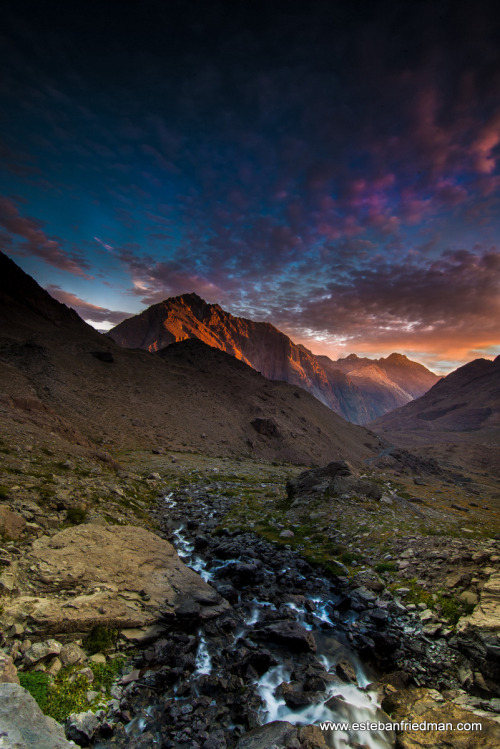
(354, 702)
(281, 653)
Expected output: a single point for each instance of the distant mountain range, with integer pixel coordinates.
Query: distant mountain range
(458, 419)
(467, 400)
(358, 389)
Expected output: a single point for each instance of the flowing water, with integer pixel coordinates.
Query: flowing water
(352, 703)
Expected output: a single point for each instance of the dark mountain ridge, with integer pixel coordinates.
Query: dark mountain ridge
(61, 379)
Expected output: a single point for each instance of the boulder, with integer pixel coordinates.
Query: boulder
(427, 705)
(124, 576)
(40, 651)
(23, 725)
(336, 478)
(11, 524)
(277, 734)
(291, 634)
(8, 672)
(71, 654)
(478, 634)
(82, 727)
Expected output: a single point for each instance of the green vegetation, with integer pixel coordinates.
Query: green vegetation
(100, 640)
(385, 567)
(445, 605)
(4, 492)
(37, 684)
(76, 515)
(67, 692)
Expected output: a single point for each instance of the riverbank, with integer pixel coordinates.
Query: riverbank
(288, 568)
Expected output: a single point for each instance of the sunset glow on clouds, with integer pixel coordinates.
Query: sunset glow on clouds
(330, 169)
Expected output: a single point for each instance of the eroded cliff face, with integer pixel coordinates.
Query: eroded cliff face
(357, 389)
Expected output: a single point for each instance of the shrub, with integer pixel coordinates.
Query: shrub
(76, 515)
(100, 640)
(385, 567)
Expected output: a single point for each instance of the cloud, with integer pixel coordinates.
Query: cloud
(35, 242)
(86, 310)
(447, 306)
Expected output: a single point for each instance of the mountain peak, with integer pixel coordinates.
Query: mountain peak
(395, 357)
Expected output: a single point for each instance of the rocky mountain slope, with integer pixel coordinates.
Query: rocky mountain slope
(461, 413)
(59, 375)
(357, 389)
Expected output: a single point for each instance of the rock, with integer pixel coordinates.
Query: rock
(291, 634)
(468, 597)
(364, 595)
(16, 630)
(41, 650)
(267, 427)
(12, 525)
(111, 565)
(54, 667)
(346, 671)
(8, 672)
(143, 635)
(427, 705)
(312, 737)
(427, 616)
(216, 740)
(478, 634)
(71, 654)
(453, 580)
(97, 658)
(81, 727)
(277, 734)
(130, 677)
(105, 356)
(336, 478)
(24, 726)
(244, 573)
(88, 673)
(287, 534)
(154, 477)
(369, 580)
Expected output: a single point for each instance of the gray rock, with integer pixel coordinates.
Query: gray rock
(292, 634)
(72, 654)
(81, 727)
(24, 726)
(277, 734)
(41, 650)
(8, 672)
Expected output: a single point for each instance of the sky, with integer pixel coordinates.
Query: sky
(330, 167)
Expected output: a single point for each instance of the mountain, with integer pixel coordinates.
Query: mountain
(461, 412)
(62, 380)
(357, 389)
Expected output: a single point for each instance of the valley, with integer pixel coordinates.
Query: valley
(196, 557)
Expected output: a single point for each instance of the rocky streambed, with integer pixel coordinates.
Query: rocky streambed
(295, 648)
